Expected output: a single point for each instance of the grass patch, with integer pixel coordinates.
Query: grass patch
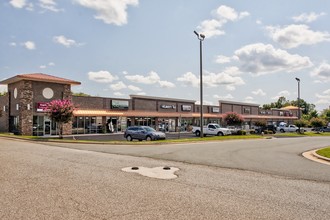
(325, 152)
(305, 134)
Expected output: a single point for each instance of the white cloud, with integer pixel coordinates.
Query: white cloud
(12, 44)
(141, 93)
(249, 99)
(166, 84)
(210, 79)
(65, 41)
(109, 11)
(322, 72)
(226, 97)
(151, 78)
(49, 5)
(30, 45)
(18, 3)
(227, 13)
(308, 18)
(232, 70)
(118, 94)
(284, 93)
(259, 92)
(223, 14)
(294, 35)
(324, 98)
(189, 79)
(118, 86)
(260, 59)
(222, 59)
(211, 28)
(102, 76)
(134, 88)
(45, 66)
(230, 88)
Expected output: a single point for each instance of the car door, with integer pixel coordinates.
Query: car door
(211, 129)
(140, 133)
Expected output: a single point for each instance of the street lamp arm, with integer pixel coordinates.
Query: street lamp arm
(200, 37)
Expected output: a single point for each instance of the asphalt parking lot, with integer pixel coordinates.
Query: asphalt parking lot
(120, 136)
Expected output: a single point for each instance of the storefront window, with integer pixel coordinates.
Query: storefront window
(38, 126)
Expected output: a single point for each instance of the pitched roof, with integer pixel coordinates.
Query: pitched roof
(41, 77)
(290, 107)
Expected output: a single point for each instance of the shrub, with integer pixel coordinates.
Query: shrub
(260, 123)
(241, 132)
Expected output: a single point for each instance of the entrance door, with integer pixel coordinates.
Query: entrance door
(47, 127)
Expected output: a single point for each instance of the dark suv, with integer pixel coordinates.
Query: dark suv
(267, 127)
(143, 133)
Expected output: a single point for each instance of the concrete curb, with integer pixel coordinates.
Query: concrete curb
(312, 155)
(319, 156)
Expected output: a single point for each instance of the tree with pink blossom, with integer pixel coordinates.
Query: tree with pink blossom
(232, 118)
(61, 112)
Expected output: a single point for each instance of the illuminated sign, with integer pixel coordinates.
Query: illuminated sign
(168, 106)
(216, 109)
(42, 106)
(186, 107)
(119, 104)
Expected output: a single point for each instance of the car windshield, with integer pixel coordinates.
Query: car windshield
(217, 126)
(149, 129)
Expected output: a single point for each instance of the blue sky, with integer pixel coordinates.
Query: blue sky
(253, 50)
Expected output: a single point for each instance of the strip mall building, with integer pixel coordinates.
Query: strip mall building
(23, 109)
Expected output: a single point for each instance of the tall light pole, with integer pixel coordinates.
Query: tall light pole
(201, 37)
(298, 80)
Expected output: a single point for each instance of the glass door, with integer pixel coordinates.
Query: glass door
(47, 127)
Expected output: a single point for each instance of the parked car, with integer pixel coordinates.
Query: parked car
(325, 129)
(267, 127)
(143, 133)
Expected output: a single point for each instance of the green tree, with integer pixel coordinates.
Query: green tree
(60, 111)
(232, 118)
(317, 123)
(325, 114)
(80, 94)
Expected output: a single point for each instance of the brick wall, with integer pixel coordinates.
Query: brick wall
(4, 119)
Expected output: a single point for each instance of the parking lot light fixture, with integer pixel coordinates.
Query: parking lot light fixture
(201, 37)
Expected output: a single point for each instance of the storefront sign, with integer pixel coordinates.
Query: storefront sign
(42, 106)
(216, 109)
(186, 107)
(168, 106)
(119, 104)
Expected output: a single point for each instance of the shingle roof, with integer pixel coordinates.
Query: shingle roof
(39, 77)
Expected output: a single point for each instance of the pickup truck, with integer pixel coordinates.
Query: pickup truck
(287, 128)
(211, 129)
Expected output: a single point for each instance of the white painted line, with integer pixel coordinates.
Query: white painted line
(155, 172)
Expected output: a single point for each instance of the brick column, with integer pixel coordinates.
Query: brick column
(26, 108)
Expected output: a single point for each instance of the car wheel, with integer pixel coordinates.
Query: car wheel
(198, 133)
(220, 133)
(140, 139)
(129, 138)
(282, 130)
(148, 138)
